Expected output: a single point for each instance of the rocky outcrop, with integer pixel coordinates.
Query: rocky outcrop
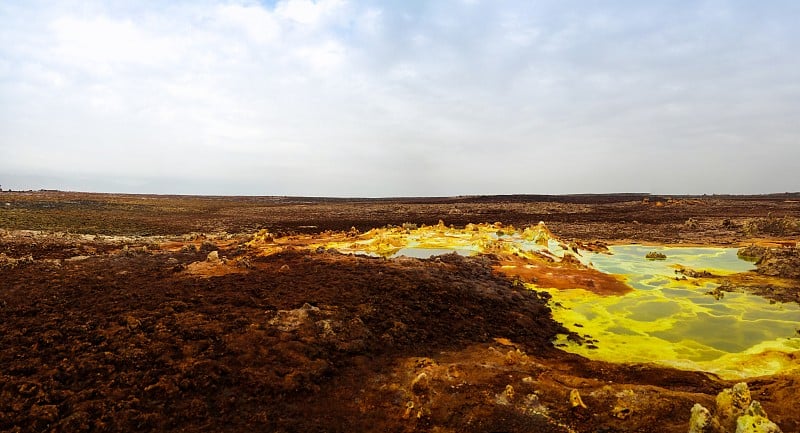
(11, 262)
(539, 234)
(655, 255)
(771, 226)
(774, 262)
(735, 412)
(780, 262)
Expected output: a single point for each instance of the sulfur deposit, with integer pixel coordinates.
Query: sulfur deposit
(735, 412)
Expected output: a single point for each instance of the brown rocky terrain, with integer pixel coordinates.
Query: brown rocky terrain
(152, 313)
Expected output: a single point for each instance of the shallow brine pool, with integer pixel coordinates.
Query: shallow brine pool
(667, 318)
(672, 321)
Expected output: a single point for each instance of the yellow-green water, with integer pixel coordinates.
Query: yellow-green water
(665, 319)
(675, 322)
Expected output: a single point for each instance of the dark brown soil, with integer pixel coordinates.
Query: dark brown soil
(104, 333)
(620, 217)
(125, 343)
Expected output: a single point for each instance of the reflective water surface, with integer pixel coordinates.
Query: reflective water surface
(667, 318)
(674, 321)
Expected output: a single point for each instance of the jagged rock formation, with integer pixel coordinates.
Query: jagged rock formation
(735, 412)
(774, 262)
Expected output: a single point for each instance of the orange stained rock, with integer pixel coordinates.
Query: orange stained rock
(562, 276)
(212, 269)
(754, 279)
(540, 268)
(173, 245)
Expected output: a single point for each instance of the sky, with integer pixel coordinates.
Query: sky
(400, 98)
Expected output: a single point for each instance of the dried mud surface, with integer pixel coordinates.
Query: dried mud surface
(113, 317)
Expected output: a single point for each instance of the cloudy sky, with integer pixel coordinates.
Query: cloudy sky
(399, 98)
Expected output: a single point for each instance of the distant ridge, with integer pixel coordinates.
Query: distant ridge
(584, 198)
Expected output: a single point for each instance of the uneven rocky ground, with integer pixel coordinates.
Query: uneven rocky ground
(717, 220)
(117, 315)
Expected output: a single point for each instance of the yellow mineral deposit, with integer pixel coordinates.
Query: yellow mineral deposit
(672, 320)
(575, 399)
(620, 306)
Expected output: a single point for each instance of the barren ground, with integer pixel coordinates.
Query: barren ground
(102, 328)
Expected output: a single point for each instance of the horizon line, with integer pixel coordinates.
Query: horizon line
(400, 197)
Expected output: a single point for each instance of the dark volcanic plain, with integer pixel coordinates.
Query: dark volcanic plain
(103, 327)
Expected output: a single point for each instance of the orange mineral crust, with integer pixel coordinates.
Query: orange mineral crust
(558, 276)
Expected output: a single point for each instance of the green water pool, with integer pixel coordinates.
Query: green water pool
(674, 321)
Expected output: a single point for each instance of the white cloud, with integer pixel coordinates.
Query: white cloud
(323, 57)
(103, 41)
(258, 24)
(308, 12)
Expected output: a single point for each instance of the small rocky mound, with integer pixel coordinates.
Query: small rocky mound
(735, 412)
(655, 255)
(752, 253)
(538, 234)
(692, 273)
